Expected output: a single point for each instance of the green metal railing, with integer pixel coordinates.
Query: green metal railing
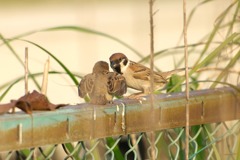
(126, 129)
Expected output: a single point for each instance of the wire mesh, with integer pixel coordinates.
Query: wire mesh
(208, 141)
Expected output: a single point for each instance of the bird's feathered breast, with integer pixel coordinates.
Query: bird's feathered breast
(116, 84)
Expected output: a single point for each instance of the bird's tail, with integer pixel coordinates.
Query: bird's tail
(168, 74)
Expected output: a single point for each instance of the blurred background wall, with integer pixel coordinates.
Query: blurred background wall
(127, 20)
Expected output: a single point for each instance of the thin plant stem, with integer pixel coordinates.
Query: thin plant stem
(45, 77)
(26, 70)
(151, 46)
(186, 76)
(6, 42)
(151, 14)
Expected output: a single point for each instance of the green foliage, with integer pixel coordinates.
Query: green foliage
(73, 151)
(224, 73)
(194, 84)
(112, 144)
(175, 79)
(58, 61)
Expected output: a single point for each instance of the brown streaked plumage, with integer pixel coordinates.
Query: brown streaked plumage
(138, 76)
(101, 85)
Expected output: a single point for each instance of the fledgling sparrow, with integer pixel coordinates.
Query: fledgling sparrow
(138, 76)
(101, 85)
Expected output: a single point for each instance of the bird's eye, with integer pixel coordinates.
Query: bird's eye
(120, 59)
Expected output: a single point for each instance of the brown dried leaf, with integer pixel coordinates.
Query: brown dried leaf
(35, 101)
(30, 102)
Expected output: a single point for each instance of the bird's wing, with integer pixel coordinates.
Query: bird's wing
(159, 78)
(143, 73)
(140, 71)
(116, 84)
(86, 85)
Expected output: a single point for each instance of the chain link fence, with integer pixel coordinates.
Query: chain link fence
(209, 141)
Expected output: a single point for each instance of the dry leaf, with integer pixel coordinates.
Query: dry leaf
(30, 102)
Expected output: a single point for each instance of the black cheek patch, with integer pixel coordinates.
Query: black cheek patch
(118, 69)
(125, 62)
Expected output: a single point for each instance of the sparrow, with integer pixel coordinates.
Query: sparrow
(138, 76)
(102, 85)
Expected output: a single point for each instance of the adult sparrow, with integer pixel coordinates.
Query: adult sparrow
(138, 76)
(101, 85)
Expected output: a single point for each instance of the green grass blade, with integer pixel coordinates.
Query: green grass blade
(191, 14)
(215, 52)
(11, 83)
(211, 138)
(26, 153)
(5, 41)
(237, 150)
(75, 81)
(170, 51)
(172, 82)
(225, 71)
(224, 83)
(78, 29)
(215, 30)
(90, 31)
(117, 153)
(70, 148)
(234, 19)
(161, 52)
(46, 152)
(210, 57)
(7, 90)
(199, 140)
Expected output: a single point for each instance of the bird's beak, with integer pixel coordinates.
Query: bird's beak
(113, 64)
